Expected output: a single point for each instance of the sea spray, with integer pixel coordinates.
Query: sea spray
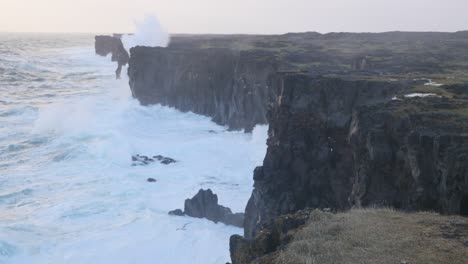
(148, 32)
(69, 193)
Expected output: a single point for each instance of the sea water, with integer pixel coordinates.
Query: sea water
(68, 190)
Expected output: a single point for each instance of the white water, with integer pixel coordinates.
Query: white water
(68, 192)
(148, 32)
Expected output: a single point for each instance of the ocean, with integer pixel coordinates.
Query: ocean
(68, 190)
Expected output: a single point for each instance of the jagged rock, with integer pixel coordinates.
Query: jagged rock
(141, 160)
(177, 212)
(105, 45)
(205, 205)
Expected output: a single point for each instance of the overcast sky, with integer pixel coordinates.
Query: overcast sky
(235, 16)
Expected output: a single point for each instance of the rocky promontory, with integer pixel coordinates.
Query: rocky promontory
(355, 120)
(105, 45)
(226, 77)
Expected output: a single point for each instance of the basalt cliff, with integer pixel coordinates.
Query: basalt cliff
(355, 120)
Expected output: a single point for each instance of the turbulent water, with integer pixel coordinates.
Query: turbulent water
(68, 192)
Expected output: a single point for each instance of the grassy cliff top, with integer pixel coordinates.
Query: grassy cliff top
(379, 236)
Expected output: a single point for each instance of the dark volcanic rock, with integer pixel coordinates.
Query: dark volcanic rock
(105, 45)
(341, 143)
(177, 212)
(229, 86)
(225, 76)
(309, 162)
(205, 205)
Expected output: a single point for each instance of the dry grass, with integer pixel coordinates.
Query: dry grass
(379, 236)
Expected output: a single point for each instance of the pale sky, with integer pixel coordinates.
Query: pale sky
(235, 16)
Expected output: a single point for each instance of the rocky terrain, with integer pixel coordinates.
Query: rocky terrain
(355, 120)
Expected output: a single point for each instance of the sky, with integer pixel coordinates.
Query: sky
(234, 16)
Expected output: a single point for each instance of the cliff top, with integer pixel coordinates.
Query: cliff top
(348, 53)
(378, 236)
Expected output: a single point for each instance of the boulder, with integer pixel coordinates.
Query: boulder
(205, 205)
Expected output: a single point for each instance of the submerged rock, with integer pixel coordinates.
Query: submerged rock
(141, 160)
(205, 205)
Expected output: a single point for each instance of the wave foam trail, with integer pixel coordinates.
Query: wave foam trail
(148, 32)
(71, 195)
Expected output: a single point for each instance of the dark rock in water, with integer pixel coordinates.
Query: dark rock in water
(205, 205)
(141, 160)
(177, 212)
(151, 180)
(167, 160)
(105, 45)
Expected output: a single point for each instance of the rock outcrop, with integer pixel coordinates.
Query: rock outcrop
(229, 86)
(340, 143)
(105, 45)
(205, 205)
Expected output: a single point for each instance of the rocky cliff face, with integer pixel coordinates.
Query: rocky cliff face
(229, 86)
(413, 159)
(337, 143)
(225, 76)
(105, 45)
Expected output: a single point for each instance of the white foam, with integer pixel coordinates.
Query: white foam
(411, 95)
(87, 204)
(148, 32)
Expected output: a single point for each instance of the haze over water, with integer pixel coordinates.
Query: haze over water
(68, 192)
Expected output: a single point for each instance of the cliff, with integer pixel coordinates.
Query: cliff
(229, 86)
(337, 143)
(355, 120)
(226, 76)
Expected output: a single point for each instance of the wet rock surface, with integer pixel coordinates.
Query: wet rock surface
(205, 205)
(141, 160)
